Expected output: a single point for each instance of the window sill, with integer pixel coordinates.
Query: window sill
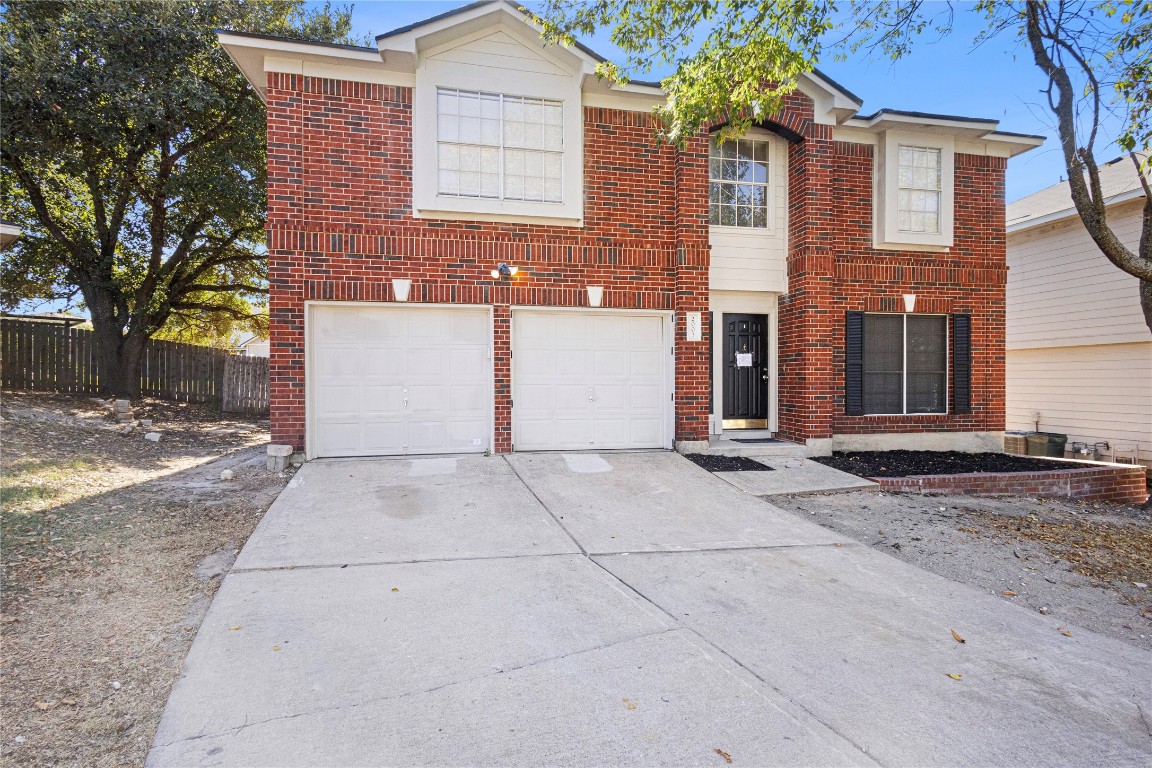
(498, 218)
(742, 231)
(923, 247)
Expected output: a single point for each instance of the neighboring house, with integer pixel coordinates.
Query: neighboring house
(252, 345)
(9, 233)
(1079, 351)
(660, 295)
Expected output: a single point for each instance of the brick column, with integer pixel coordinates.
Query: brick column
(808, 314)
(691, 284)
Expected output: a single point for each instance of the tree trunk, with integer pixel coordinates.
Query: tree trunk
(119, 352)
(1146, 301)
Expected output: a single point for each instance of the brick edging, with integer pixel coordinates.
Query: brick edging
(1109, 482)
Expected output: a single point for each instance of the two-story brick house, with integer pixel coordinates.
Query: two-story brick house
(475, 244)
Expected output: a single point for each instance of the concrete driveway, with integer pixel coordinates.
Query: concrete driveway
(615, 609)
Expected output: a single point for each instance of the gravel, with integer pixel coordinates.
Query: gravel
(1078, 561)
(715, 463)
(910, 463)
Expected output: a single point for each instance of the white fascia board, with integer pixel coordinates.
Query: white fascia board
(255, 56)
(1015, 144)
(1068, 213)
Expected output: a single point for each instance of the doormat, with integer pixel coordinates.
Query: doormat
(755, 440)
(715, 463)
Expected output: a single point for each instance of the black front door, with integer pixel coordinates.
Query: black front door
(745, 372)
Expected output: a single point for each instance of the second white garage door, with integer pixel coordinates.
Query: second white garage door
(590, 380)
(398, 380)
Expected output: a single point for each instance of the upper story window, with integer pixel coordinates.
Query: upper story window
(501, 147)
(918, 196)
(738, 184)
(914, 191)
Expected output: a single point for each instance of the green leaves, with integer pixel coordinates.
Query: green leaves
(133, 155)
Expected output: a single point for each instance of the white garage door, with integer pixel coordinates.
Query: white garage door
(589, 381)
(399, 380)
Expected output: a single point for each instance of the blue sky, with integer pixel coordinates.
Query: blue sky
(996, 80)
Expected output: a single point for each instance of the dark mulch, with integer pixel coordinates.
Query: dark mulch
(714, 463)
(906, 463)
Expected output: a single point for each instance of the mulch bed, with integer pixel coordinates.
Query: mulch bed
(911, 463)
(714, 463)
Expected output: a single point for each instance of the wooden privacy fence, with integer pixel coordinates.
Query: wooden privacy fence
(245, 387)
(50, 357)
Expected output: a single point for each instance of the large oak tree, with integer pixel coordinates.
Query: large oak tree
(133, 158)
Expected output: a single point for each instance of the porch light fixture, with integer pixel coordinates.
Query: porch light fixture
(503, 270)
(401, 288)
(595, 295)
(909, 302)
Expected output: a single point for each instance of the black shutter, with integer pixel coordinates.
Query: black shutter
(854, 364)
(711, 363)
(962, 363)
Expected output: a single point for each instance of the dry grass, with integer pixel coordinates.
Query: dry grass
(102, 536)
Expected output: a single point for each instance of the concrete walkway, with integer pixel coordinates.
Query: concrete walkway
(618, 609)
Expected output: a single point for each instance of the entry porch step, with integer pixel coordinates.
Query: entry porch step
(746, 442)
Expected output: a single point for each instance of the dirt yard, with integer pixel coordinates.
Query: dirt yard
(112, 549)
(1089, 563)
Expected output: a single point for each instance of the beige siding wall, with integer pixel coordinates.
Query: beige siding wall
(1090, 393)
(1062, 291)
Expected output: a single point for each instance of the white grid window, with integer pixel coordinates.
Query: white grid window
(738, 189)
(497, 146)
(918, 203)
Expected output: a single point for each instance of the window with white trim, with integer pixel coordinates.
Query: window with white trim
(738, 184)
(497, 146)
(918, 189)
(905, 364)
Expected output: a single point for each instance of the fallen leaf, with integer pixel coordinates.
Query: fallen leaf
(233, 629)
(1061, 627)
(727, 757)
(953, 675)
(838, 545)
(1008, 593)
(1066, 634)
(69, 702)
(44, 706)
(395, 589)
(957, 637)
(275, 647)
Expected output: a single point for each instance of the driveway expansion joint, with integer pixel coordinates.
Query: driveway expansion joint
(339, 566)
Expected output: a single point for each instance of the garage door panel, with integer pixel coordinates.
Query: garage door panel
(468, 399)
(610, 363)
(467, 362)
(384, 436)
(336, 400)
(383, 364)
(336, 326)
(382, 399)
(427, 436)
(535, 363)
(332, 437)
(428, 399)
(467, 435)
(645, 364)
(395, 380)
(562, 358)
(427, 362)
(388, 328)
(341, 360)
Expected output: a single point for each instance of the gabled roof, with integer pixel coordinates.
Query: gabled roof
(1119, 182)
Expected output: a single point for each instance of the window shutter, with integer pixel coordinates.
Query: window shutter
(854, 364)
(962, 363)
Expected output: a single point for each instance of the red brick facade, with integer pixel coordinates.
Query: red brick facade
(340, 227)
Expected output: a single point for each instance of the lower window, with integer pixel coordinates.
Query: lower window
(905, 364)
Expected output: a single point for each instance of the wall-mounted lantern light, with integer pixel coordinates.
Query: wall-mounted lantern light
(595, 295)
(503, 270)
(909, 302)
(401, 288)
